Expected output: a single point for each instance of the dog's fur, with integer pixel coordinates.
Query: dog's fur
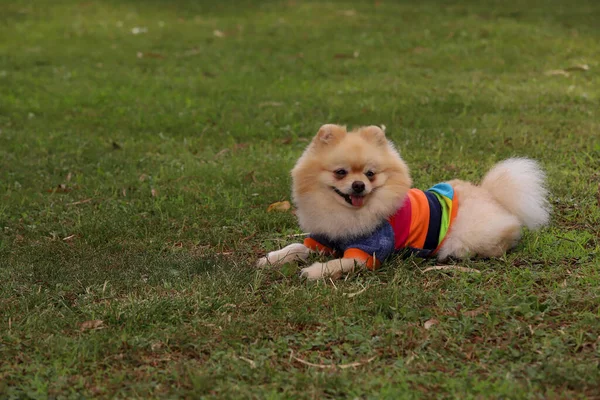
(490, 216)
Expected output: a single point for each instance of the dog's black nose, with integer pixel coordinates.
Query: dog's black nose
(358, 186)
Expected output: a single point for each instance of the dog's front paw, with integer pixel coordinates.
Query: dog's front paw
(314, 272)
(270, 260)
(262, 262)
(292, 253)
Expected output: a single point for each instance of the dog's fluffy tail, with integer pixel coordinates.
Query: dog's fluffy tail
(518, 184)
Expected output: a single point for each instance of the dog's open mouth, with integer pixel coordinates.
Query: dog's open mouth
(353, 200)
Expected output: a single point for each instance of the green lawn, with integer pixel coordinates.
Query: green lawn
(142, 142)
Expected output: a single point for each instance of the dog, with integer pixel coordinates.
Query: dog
(353, 193)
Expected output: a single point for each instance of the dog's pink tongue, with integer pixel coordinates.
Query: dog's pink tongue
(357, 201)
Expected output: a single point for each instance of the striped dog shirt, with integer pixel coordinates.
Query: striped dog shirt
(418, 227)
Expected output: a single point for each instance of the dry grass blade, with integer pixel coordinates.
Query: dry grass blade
(139, 29)
(556, 72)
(251, 176)
(578, 67)
(270, 104)
(429, 323)
(220, 153)
(191, 52)
(350, 295)
(475, 312)
(339, 56)
(306, 234)
(322, 366)
(333, 284)
(157, 345)
(419, 50)
(334, 366)
(356, 364)
(150, 55)
(348, 13)
(93, 324)
(249, 361)
(450, 268)
(80, 202)
(565, 72)
(61, 188)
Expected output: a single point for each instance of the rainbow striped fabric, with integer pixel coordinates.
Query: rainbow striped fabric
(423, 221)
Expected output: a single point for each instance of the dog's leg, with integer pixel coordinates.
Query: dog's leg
(293, 252)
(333, 269)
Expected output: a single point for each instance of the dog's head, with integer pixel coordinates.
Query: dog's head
(357, 176)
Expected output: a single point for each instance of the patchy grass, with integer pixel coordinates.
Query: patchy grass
(136, 169)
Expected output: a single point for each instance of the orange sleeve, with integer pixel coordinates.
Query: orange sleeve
(316, 246)
(371, 262)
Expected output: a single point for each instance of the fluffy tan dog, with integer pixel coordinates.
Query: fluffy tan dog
(353, 194)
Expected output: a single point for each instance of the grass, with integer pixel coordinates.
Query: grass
(136, 170)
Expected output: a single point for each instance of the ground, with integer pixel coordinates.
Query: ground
(141, 144)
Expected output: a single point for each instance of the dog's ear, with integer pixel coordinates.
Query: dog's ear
(374, 134)
(329, 133)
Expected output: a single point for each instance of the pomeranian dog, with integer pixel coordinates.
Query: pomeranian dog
(353, 194)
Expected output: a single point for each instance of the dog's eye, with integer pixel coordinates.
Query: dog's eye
(340, 173)
(370, 174)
